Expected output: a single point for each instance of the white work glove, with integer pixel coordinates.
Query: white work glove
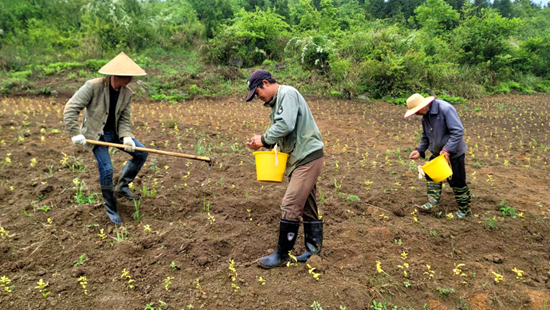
(80, 139)
(130, 143)
(421, 173)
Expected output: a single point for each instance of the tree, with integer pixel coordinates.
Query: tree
(505, 8)
(436, 16)
(212, 13)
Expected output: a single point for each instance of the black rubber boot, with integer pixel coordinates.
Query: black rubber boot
(313, 232)
(128, 175)
(287, 238)
(110, 204)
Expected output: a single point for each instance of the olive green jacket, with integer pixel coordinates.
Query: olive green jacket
(94, 96)
(293, 128)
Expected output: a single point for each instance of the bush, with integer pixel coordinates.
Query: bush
(252, 38)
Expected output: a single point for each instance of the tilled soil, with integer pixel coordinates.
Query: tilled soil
(196, 230)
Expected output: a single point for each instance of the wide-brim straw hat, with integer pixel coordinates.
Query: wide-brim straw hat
(416, 103)
(122, 65)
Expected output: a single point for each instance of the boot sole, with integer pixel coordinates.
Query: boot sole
(121, 195)
(269, 267)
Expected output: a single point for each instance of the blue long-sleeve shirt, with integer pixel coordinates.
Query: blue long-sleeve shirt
(442, 129)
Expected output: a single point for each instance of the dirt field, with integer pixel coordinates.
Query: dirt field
(195, 231)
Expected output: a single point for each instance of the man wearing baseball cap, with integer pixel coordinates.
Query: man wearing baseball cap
(295, 132)
(107, 118)
(442, 133)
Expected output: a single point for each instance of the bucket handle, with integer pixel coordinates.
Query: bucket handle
(276, 156)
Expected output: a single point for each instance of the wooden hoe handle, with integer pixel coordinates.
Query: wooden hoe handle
(121, 146)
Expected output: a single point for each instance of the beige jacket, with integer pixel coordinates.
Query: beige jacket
(94, 96)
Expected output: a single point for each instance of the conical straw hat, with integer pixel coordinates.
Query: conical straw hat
(416, 102)
(122, 65)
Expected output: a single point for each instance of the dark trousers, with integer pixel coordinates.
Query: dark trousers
(458, 179)
(103, 158)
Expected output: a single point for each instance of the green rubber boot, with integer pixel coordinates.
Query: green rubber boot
(434, 195)
(463, 199)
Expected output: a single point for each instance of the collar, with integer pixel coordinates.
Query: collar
(434, 107)
(273, 100)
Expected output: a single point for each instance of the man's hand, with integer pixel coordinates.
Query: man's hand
(255, 142)
(415, 154)
(80, 140)
(131, 146)
(447, 156)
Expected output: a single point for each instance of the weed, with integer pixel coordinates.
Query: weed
(261, 280)
(79, 196)
(174, 266)
(81, 260)
(316, 306)
(352, 198)
(151, 307)
(121, 234)
(44, 208)
(444, 292)
(382, 306)
(506, 209)
(433, 233)
(490, 223)
(154, 166)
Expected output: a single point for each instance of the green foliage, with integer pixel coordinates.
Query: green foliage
(506, 209)
(436, 16)
(252, 38)
(343, 48)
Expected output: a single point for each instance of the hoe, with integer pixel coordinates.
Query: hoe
(209, 160)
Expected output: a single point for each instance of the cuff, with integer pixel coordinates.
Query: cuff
(266, 145)
(422, 153)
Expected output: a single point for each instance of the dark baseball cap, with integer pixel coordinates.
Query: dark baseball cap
(255, 80)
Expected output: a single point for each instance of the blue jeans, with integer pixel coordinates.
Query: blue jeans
(103, 158)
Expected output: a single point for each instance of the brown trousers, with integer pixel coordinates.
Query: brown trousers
(300, 201)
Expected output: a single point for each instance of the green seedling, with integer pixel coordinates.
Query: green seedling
(81, 260)
(5, 282)
(137, 205)
(174, 266)
(126, 275)
(43, 288)
(168, 282)
(83, 282)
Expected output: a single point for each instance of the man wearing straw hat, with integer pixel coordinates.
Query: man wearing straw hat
(295, 132)
(107, 118)
(442, 133)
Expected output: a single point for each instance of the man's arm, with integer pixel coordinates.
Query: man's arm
(424, 143)
(73, 107)
(284, 120)
(124, 121)
(454, 125)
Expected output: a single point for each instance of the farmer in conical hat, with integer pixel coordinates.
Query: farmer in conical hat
(107, 118)
(442, 133)
(295, 131)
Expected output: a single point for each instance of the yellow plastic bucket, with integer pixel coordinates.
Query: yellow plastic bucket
(438, 169)
(268, 169)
